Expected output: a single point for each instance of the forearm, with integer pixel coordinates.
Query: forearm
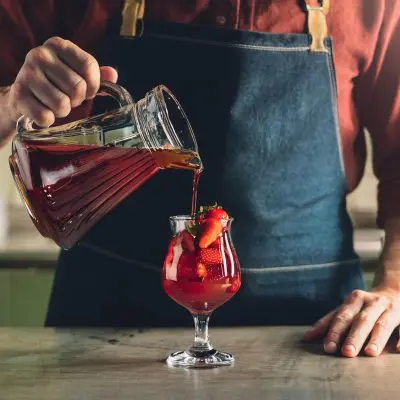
(388, 272)
(8, 116)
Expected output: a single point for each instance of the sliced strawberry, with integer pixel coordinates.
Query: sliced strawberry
(170, 252)
(210, 231)
(209, 257)
(235, 286)
(168, 260)
(188, 241)
(215, 272)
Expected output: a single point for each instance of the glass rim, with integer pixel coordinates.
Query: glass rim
(191, 218)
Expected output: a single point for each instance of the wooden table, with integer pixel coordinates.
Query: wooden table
(271, 363)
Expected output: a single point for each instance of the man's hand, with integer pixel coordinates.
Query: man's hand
(364, 318)
(367, 318)
(55, 78)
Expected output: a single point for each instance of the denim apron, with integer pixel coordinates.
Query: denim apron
(264, 111)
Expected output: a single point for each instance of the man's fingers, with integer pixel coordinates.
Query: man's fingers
(381, 333)
(63, 77)
(32, 107)
(343, 320)
(50, 96)
(80, 61)
(362, 326)
(68, 81)
(108, 74)
(320, 327)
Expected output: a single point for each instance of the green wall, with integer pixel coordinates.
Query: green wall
(24, 295)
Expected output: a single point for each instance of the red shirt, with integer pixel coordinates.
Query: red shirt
(366, 38)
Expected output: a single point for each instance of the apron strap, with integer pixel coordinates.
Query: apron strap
(133, 25)
(317, 26)
(132, 18)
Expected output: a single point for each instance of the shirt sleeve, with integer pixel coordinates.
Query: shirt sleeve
(23, 25)
(378, 92)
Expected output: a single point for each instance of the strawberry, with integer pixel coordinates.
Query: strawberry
(215, 272)
(214, 211)
(211, 222)
(218, 213)
(170, 252)
(210, 230)
(188, 241)
(216, 244)
(209, 257)
(234, 287)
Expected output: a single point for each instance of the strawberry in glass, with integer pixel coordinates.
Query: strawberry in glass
(201, 272)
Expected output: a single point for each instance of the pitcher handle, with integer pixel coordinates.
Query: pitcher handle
(117, 92)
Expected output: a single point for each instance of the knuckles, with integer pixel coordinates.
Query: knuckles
(56, 42)
(85, 64)
(344, 316)
(383, 323)
(363, 317)
(357, 294)
(38, 55)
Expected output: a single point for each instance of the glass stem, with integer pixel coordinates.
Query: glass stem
(201, 342)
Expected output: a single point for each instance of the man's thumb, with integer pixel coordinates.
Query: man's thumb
(108, 74)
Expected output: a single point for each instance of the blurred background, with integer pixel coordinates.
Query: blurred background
(27, 260)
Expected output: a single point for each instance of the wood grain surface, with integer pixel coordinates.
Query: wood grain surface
(271, 363)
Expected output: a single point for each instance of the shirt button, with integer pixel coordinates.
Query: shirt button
(221, 20)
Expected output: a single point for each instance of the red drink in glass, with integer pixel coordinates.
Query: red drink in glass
(201, 272)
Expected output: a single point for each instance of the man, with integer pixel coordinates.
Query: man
(261, 95)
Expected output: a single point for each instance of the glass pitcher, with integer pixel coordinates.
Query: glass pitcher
(70, 176)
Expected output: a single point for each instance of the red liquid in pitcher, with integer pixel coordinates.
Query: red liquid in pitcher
(68, 188)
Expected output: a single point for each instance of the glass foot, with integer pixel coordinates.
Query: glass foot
(208, 359)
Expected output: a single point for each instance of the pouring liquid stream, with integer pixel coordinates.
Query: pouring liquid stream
(196, 178)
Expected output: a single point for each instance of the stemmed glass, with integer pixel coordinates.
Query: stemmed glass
(200, 280)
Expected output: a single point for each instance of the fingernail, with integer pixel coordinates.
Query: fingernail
(373, 348)
(330, 347)
(349, 348)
